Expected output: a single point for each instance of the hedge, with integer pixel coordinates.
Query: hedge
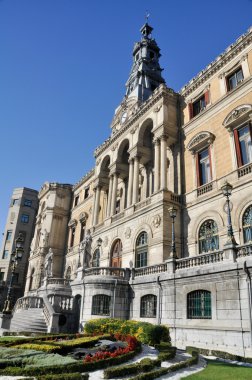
(65, 376)
(62, 347)
(144, 332)
(144, 365)
(219, 354)
(163, 371)
(79, 366)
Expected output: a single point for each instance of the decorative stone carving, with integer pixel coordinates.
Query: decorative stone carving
(83, 217)
(156, 220)
(237, 113)
(127, 233)
(158, 108)
(200, 140)
(114, 146)
(72, 223)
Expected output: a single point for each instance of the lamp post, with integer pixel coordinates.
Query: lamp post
(16, 256)
(173, 213)
(227, 191)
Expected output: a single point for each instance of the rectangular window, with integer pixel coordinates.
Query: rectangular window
(86, 194)
(76, 200)
(15, 202)
(101, 305)
(5, 254)
(243, 143)
(1, 276)
(8, 235)
(204, 167)
(198, 105)
(234, 79)
(27, 202)
(25, 218)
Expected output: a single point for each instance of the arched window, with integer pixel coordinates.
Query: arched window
(142, 250)
(148, 307)
(199, 305)
(247, 225)
(116, 254)
(96, 258)
(101, 304)
(208, 236)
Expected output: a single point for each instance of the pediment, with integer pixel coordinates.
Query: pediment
(200, 141)
(237, 115)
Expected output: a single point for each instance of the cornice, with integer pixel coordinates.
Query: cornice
(50, 186)
(161, 92)
(84, 179)
(232, 51)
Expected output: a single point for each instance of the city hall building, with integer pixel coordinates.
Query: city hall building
(160, 230)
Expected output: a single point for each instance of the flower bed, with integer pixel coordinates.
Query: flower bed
(132, 344)
(144, 332)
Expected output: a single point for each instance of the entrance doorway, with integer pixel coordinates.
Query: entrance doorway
(116, 254)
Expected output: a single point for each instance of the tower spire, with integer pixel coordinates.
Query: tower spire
(145, 73)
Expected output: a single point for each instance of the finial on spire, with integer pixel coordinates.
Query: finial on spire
(147, 15)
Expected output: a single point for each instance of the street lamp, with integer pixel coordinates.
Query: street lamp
(173, 213)
(227, 191)
(16, 256)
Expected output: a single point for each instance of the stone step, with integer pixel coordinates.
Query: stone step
(31, 320)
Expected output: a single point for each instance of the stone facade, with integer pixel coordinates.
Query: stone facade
(21, 219)
(112, 235)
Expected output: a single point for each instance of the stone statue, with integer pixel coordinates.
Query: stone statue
(49, 263)
(46, 238)
(85, 248)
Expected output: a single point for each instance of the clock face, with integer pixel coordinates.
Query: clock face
(124, 117)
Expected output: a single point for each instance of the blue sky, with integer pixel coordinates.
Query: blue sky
(63, 68)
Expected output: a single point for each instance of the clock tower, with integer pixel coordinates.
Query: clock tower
(145, 75)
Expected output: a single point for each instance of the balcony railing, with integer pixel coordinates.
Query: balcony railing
(205, 188)
(159, 268)
(108, 271)
(202, 259)
(245, 170)
(245, 250)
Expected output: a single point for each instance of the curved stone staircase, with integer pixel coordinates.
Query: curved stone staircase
(30, 320)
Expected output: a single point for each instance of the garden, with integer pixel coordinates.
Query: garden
(107, 349)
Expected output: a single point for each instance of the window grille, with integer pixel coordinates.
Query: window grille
(101, 305)
(208, 236)
(247, 225)
(148, 307)
(199, 305)
(142, 250)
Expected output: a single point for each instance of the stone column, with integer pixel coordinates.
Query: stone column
(109, 196)
(93, 210)
(97, 205)
(156, 165)
(130, 183)
(114, 191)
(163, 169)
(136, 180)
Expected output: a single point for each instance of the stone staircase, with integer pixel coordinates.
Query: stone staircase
(30, 320)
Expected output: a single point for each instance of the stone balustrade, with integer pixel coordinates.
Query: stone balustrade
(28, 302)
(202, 259)
(159, 268)
(57, 281)
(244, 250)
(60, 302)
(247, 169)
(107, 271)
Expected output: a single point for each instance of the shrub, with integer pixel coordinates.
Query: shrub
(219, 354)
(39, 347)
(145, 332)
(143, 366)
(65, 376)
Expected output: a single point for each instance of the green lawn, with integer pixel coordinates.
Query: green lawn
(216, 370)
